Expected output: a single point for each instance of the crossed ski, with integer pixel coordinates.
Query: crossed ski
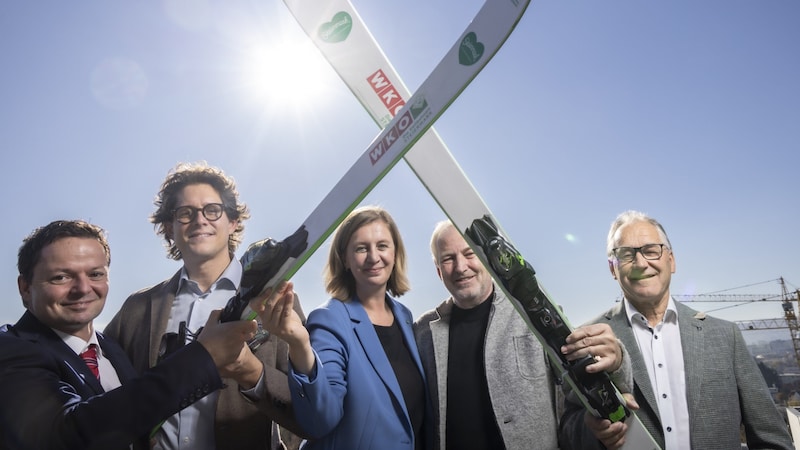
(476, 46)
(369, 72)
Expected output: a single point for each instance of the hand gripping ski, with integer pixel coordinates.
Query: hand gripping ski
(519, 280)
(362, 65)
(470, 53)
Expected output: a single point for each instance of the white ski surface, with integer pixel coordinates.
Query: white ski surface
(362, 65)
(473, 49)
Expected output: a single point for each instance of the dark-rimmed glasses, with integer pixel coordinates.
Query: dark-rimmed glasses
(186, 214)
(649, 251)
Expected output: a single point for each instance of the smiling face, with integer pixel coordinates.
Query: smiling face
(201, 240)
(370, 258)
(644, 282)
(69, 285)
(460, 269)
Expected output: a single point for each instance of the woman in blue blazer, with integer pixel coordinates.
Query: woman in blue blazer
(356, 378)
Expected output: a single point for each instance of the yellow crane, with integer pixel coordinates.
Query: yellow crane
(789, 319)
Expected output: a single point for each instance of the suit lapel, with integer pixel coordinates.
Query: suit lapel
(618, 319)
(74, 369)
(693, 347)
(440, 337)
(373, 349)
(114, 353)
(76, 363)
(160, 312)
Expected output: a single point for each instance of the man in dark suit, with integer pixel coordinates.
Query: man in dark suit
(53, 396)
(694, 380)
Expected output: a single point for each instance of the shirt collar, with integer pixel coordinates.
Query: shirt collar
(634, 316)
(229, 279)
(77, 344)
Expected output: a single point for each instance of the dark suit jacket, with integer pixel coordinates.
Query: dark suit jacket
(51, 400)
(239, 423)
(724, 387)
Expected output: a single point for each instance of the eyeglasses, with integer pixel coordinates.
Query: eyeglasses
(186, 214)
(649, 251)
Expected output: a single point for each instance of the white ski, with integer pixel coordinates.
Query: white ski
(359, 61)
(268, 262)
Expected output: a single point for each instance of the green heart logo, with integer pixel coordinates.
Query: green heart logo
(337, 29)
(471, 50)
(418, 107)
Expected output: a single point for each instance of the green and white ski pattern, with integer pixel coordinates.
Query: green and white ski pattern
(378, 87)
(482, 38)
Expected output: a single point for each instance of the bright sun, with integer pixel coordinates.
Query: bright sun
(285, 74)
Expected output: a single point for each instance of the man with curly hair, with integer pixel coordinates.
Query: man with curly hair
(201, 219)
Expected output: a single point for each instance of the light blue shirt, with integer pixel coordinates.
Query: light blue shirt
(193, 427)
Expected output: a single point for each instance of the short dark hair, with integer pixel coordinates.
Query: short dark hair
(185, 174)
(31, 250)
(339, 282)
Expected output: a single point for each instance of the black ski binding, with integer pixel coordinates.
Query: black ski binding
(260, 263)
(519, 280)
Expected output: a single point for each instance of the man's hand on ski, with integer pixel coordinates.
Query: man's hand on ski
(275, 308)
(600, 341)
(225, 342)
(611, 434)
(596, 340)
(246, 370)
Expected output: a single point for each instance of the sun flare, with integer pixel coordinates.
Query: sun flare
(285, 74)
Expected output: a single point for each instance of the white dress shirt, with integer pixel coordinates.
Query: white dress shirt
(108, 374)
(663, 355)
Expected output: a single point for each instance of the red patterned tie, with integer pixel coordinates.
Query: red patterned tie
(90, 358)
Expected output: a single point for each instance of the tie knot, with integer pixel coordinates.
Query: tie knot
(89, 356)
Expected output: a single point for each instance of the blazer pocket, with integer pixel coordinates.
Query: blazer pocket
(530, 357)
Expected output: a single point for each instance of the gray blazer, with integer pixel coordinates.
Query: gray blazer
(521, 385)
(239, 423)
(724, 388)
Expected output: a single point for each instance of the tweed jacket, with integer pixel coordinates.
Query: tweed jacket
(353, 400)
(239, 423)
(521, 385)
(724, 387)
(51, 400)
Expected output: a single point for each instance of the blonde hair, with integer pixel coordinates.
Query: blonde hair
(339, 282)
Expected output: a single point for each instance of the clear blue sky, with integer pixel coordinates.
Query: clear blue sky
(689, 111)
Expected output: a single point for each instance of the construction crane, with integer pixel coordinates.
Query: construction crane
(787, 300)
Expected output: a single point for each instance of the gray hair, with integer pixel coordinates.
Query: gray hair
(629, 217)
(440, 228)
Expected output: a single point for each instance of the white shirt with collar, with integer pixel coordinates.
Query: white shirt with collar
(108, 374)
(663, 355)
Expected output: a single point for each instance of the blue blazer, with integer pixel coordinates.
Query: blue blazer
(50, 398)
(353, 401)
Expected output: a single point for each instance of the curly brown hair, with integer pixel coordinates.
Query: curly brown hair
(185, 174)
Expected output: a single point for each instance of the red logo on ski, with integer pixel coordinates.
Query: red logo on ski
(386, 92)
